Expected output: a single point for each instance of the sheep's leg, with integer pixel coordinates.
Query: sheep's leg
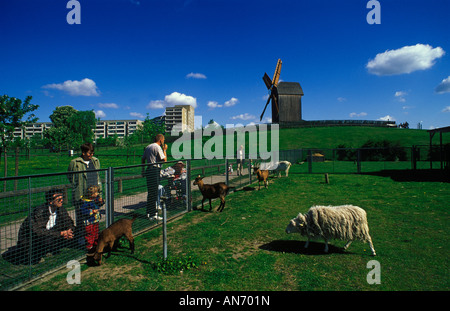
(307, 243)
(371, 247)
(348, 244)
(326, 246)
(210, 206)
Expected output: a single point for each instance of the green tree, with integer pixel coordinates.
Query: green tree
(147, 131)
(61, 115)
(12, 114)
(71, 128)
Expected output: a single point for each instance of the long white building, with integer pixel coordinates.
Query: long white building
(103, 129)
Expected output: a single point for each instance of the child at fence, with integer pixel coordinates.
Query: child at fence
(90, 211)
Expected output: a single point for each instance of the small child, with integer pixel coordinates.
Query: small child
(91, 215)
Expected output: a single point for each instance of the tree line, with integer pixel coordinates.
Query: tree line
(71, 128)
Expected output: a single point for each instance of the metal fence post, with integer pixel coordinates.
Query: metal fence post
(30, 252)
(249, 171)
(164, 225)
(109, 209)
(227, 173)
(188, 186)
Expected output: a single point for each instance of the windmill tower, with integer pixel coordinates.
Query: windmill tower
(286, 98)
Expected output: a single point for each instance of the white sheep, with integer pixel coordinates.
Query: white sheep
(345, 222)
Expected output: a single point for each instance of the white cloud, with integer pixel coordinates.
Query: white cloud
(404, 60)
(85, 87)
(244, 117)
(180, 99)
(444, 86)
(400, 95)
(171, 100)
(108, 105)
(195, 76)
(137, 115)
(387, 118)
(100, 114)
(446, 109)
(213, 104)
(361, 114)
(155, 104)
(341, 99)
(233, 101)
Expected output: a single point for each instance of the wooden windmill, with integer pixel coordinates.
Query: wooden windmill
(285, 97)
(272, 87)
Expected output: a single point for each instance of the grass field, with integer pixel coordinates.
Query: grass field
(317, 137)
(245, 248)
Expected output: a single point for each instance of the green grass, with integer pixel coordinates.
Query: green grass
(245, 247)
(352, 136)
(317, 137)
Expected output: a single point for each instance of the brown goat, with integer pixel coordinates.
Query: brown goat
(262, 175)
(108, 239)
(217, 190)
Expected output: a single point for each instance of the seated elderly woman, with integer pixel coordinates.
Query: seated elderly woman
(51, 228)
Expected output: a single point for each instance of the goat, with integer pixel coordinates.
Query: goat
(108, 239)
(262, 175)
(344, 222)
(217, 190)
(282, 166)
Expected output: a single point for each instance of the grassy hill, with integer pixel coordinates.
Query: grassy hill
(293, 138)
(351, 136)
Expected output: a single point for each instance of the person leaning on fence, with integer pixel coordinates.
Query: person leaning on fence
(86, 163)
(153, 153)
(48, 229)
(90, 211)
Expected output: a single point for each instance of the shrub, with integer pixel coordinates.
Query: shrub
(382, 150)
(172, 265)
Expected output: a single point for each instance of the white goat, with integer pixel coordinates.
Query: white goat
(277, 167)
(345, 222)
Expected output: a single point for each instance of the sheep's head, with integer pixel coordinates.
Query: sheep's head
(296, 225)
(198, 180)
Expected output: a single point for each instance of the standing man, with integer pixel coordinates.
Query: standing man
(240, 160)
(86, 164)
(153, 153)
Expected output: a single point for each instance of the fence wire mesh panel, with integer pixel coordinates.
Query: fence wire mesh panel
(142, 190)
(41, 225)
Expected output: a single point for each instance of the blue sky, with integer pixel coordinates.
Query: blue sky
(128, 58)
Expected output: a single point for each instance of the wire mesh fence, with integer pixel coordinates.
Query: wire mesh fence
(45, 222)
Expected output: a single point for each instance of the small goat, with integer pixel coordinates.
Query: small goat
(217, 190)
(282, 166)
(262, 175)
(108, 239)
